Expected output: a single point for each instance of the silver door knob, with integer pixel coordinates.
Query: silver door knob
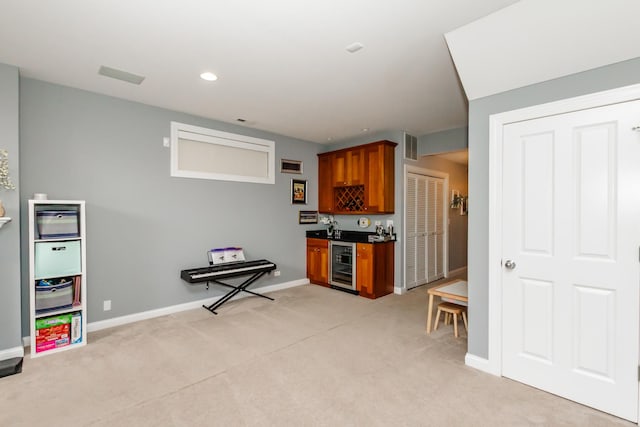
(510, 264)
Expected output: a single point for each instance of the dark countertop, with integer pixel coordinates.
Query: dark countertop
(345, 236)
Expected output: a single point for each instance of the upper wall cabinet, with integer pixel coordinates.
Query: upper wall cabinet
(325, 183)
(357, 180)
(348, 167)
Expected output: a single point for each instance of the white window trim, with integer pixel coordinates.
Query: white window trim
(200, 134)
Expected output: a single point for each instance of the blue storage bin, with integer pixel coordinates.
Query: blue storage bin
(55, 259)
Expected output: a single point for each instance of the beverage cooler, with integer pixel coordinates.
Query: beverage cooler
(342, 266)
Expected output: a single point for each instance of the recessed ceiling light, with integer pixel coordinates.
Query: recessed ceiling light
(330, 138)
(354, 47)
(365, 129)
(209, 76)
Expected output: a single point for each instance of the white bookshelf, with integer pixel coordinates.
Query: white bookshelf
(49, 247)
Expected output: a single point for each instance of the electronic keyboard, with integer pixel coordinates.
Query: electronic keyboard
(222, 271)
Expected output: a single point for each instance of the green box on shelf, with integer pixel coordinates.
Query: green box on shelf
(48, 322)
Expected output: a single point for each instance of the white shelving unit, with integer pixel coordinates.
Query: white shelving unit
(55, 260)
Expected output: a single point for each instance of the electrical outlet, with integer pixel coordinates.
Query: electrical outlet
(106, 305)
(276, 273)
(389, 223)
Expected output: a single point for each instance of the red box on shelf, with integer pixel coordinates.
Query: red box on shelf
(52, 337)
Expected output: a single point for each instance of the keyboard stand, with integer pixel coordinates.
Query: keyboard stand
(235, 290)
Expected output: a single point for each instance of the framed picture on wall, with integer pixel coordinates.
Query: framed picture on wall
(290, 166)
(308, 217)
(299, 191)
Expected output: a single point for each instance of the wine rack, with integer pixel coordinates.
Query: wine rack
(350, 199)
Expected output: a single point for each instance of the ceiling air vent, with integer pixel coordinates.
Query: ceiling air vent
(125, 76)
(410, 147)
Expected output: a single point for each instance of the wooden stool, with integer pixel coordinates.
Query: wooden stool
(456, 310)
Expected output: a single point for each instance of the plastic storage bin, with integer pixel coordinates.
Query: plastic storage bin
(53, 296)
(57, 224)
(55, 259)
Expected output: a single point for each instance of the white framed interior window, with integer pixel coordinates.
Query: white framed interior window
(198, 152)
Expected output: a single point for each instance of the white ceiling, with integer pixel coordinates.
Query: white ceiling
(282, 64)
(537, 40)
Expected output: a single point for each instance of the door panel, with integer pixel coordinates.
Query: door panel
(593, 330)
(438, 246)
(425, 229)
(570, 225)
(537, 160)
(412, 235)
(595, 181)
(537, 319)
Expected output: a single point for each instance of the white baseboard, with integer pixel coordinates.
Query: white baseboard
(144, 315)
(399, 291)
(10, 353)
(479, 363)
(461, 270)
(123, 320)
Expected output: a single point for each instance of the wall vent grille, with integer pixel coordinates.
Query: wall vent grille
(410, 147)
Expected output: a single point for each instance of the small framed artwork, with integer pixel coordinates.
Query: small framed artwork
(298, 191)
(290, 166)
(308, 217)
(463, 206)
(455, 199)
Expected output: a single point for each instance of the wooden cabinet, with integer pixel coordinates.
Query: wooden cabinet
(374, 266)
(318, 261)
(374, 269)
(325, 184)
(380, 182)
(348, 167)
(357, 180)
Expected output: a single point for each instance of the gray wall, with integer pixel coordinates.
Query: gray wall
(457, 223)
(10, 337)
(609, 77)
(144, 226)
(442, 142)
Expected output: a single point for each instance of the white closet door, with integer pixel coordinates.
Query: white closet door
(570, 250)
(435, 229)
(422, 253)
(425, 230)
(439, 229)
(411, 230)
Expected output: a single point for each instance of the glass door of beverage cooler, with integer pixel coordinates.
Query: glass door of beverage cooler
(343, 273)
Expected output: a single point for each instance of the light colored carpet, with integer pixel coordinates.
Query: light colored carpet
(315, 356)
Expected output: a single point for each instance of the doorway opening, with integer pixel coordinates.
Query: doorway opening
(436, 218)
